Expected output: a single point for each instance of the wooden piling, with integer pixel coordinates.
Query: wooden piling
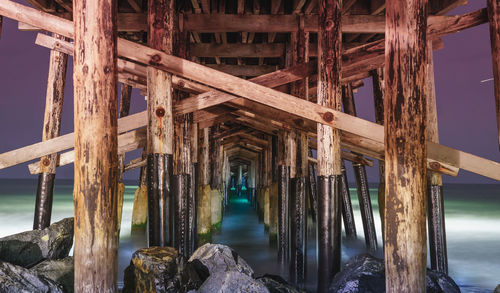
(435, 200)
(125, 95)
(96, 146)
(378, 100)
(204, 194)
(51, 127)
(494, 20)
(160, 131)
(405, 145)
(283, 197)
(347, 213)
(365, 204)
(329, 152)
(193, 195)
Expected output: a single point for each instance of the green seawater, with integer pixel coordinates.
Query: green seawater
(472, 223)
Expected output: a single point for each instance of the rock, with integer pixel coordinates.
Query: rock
(190, 279)
(497, 289)
(15, 279)
(231, 281)
(29, 248)
(276, 284)
(153, 269)
(212, 258)
(61, 271)
(365, 273)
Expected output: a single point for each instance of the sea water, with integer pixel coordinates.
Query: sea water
(472, 224)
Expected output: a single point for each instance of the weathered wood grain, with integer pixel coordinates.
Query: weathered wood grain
(405, 145)
(494, 20)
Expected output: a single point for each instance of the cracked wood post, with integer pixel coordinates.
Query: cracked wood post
(494, 20)
(298, 201)
(273, 191)
(160, 125)
(96, 146)
(378, 100)
(283, 195)
(51, 127)
(193, 196)
(125, 95)
(405, 145)
(363, 191)
(435, 200)
(329, 152)
(215, 179)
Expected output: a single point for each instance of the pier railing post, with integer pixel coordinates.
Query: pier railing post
(405, 145)
(160, 131)
(51, 127)
(329, 151)
(96, 146)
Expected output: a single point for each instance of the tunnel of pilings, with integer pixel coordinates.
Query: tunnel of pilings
(250, 98)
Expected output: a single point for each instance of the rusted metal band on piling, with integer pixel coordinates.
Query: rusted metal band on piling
(437, 230)
(329, 229)
(298, 224)
(283, 184)
(347, 213)
(365, 206)
(159, 169)
(44, 197)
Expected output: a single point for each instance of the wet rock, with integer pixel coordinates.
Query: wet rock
(153, 269)
(497, 289)
(213, 258)
(231, 281)
(276, 284)
(15, 279)
(29, 248)
(365, 273)
(190, 279)
(62, 271)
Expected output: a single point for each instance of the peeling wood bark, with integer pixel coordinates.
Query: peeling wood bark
(494, 20)
(96, 169)
(405, 133)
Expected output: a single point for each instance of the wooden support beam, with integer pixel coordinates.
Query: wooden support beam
(276, 23)
(1, 24)
(96, 146)
(243, 70)
(307, 110)
(331, 25)
(494, 20)
(237, 50)
(405, 147)
(51, 127)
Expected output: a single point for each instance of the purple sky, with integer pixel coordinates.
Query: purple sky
(466, 108)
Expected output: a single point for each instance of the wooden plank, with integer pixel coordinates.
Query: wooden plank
(405, 148)
(494, 20)
(127, 142)
(276, 23)
(229, 83)
(243, 70)
(237, 50)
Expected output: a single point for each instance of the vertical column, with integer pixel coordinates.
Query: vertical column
(378, 99)
(273, 191)
(216, 178)
(204, 196)
(365, 204)
(435, 201)
(96, 146)
(51, 127)
(347, 213)
(283, 194)
(329, 158)
(298, 201)
(193, 194)
(494, 20)
(313, 188)
(405, 145)
(160, 125)
(125, 95)
(267, 185)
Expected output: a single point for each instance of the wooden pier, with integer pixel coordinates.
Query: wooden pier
(256, 95)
